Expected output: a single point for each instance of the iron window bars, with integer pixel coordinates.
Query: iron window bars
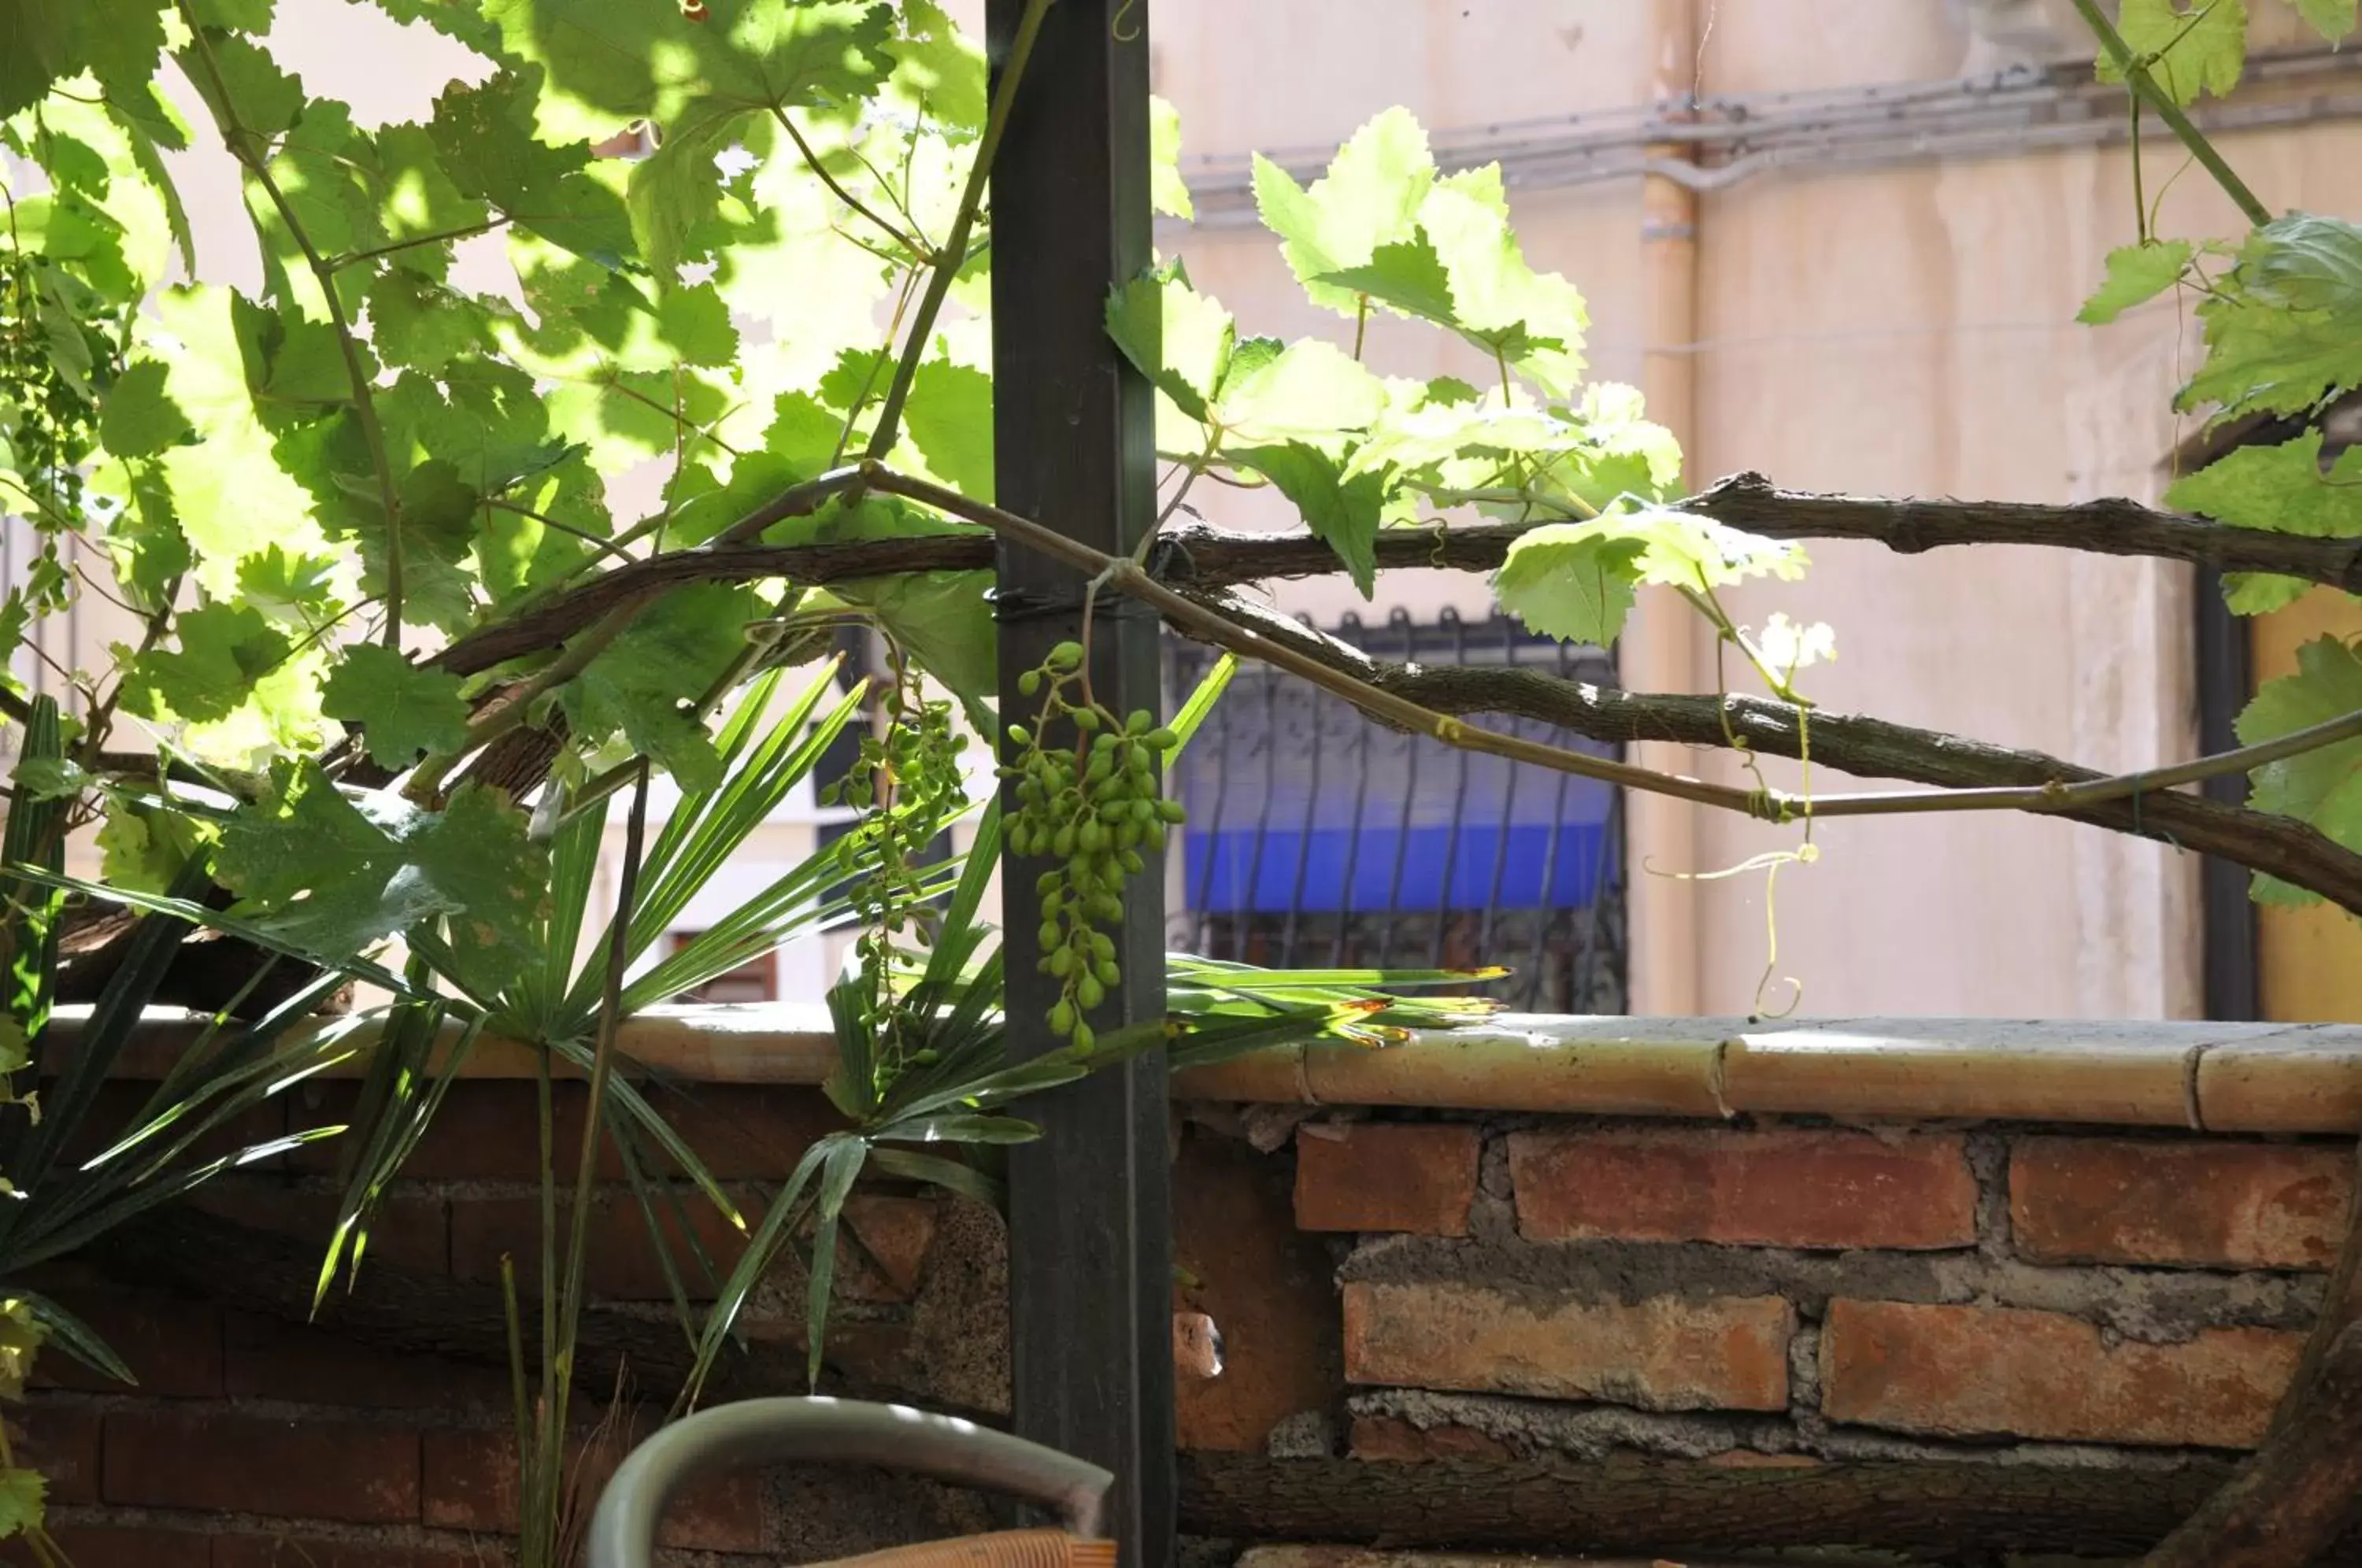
(1316, 837)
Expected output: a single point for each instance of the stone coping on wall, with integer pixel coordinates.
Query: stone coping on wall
(2219, 1078)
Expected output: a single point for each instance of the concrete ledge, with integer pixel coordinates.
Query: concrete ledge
(2222, 1078)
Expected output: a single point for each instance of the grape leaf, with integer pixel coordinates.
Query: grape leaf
(2322, 787)
(143, 849)
(2200, 47)
(938, 69)
(1563, 574)
(252, 93)
(416, 322)
(485, 137)
(1308, 391)
(21, 1496)
(2279, 489)
(139, 418)
(2284, 326)
(1577, 588)
(336, 875)
(2261, 592)
(45, 41)
(949, 418)
(1180, 339)
(403, 709)
(2136, 273)
(1534, 321)
(224, 650)
(2333, 19)
(1167, 193)
(1370, 196)
(1343, 510)
(290, 588)
(1406, 274)
(664, 659)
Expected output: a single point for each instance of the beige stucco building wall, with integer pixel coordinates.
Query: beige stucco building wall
(1898, 330)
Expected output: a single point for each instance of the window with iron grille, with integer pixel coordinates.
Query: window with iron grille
(756, 980)
(1317, 838)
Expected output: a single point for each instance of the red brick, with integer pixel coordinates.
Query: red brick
(1779, 1189)
(1661, 1353)
(471, 1485)
(112, 1546)
(894, 1235)
(1389, 1439)
(121, 1104)
(1418, 1178)
(2215, 1205)
(222, 1461)
(305, 1552)
(1268, 1288)
(265, 1358)
(407, 1232)
(61, 1443)
(1961, 1370)
(172, 1345)
(622, 1262)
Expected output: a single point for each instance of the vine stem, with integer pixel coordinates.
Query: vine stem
(812, 163)
(1778, 806)
(240, 142)
(602, 1068)
(2137, 77)
(952, 255)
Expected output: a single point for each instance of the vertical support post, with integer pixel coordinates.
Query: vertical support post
(1090, 1291)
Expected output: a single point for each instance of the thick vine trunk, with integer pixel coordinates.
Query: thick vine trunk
(1672, 1506)
(2289, 1502)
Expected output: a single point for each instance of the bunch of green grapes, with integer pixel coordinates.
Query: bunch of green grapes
(1096, 812)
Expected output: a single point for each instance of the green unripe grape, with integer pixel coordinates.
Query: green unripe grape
(1047, 883)
(1105, 740)
(1020, 736)
(1105, 972)
(1173, 811)
(1102, 945)
(1029, 683)
(926, 1056)
(1141, 762)
(1162, 739)
(1062, 962)
(1129, 860)
(1065, 655)
(1116, 812)
(1155, 835)
(1083, 1035)
(1101, 766)
(1091, 835)
(1086, 720)
(1062, 1017)
(1062, 841)
(1141, 721)
(1048, 934)
(1081, 870)
(1107, 906)
(1127, 837)
(1029, 793)
(1089, 992)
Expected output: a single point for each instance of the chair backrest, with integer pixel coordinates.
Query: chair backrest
(893, 1436)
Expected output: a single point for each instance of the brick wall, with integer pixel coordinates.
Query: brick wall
(1389, 1289)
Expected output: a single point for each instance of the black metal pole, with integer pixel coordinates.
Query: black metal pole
(2226, 680)
(1090, 1248)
